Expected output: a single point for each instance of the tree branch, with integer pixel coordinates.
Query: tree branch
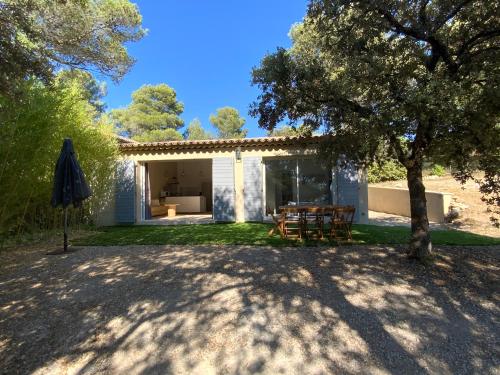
(451, 14)
(484, 35)
(440, 50)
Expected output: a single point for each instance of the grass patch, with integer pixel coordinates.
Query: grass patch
(256, 234)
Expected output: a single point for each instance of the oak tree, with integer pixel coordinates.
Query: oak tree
(419, 78)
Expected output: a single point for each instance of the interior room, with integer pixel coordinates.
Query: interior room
(184, 185)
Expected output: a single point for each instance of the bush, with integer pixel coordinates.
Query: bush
(33, 126)
(390, 170)
(437, 170)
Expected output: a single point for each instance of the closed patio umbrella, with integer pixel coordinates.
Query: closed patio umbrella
(70, 187)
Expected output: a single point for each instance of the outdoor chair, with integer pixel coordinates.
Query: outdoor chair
(341, 223)
(278, 220)
(292, 222)
(312, 222)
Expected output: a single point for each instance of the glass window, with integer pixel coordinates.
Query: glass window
(281, 183)
(293, 181)
(314, 182)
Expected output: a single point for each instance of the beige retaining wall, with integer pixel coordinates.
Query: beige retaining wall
(397, 201)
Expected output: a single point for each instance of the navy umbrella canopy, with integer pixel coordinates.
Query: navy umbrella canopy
(70, 186)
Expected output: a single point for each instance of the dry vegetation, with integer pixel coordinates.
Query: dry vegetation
(474, 217)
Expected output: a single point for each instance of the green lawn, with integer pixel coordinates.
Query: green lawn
(256, 234)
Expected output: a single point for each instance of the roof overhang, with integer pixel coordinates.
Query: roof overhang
(209, 144)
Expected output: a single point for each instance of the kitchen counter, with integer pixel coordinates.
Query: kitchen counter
(189, 204)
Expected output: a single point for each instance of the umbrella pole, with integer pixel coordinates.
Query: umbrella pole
(66, 229)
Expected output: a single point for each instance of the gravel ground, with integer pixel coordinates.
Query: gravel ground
(238, 310)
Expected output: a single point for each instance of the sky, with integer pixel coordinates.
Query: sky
(205, 50)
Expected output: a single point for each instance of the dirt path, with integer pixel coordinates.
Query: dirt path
(239, 310)
(474, 217)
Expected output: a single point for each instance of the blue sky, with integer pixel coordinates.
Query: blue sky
(205, 50)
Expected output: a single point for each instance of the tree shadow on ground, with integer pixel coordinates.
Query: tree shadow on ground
(241, 309)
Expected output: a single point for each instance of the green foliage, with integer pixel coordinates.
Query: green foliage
(229, 123)
(377, 72)
(93, 91)
(159, 135)
(32, 130)
(153, 107)
(37, 36)
(290, 131)
(437, 170)
(389, 170)
(257, 234)
(194, 131)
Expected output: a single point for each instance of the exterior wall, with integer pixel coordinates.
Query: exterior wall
(238, 186)
(351, 189)
(397, 201)
(239, 204)
(363, 197)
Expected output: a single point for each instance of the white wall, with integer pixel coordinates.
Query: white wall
(397, 201)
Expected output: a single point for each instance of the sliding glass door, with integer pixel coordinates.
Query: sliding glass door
(281, 183)
(297, 181)
(314, 182)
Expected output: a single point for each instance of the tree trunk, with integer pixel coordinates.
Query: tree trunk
(420, 243)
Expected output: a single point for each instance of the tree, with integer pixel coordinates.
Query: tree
(229, 123)
(92, 90)
(194, 131)
(290, 131)
(159, 135)
(153, 107)
(37, 36)
(419, 78)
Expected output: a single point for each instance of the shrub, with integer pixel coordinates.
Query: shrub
(390, 170)
(437, 170)
(33, 126)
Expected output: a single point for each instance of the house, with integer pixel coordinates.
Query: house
(230, 180)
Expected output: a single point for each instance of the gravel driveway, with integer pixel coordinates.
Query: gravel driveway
(238, 310)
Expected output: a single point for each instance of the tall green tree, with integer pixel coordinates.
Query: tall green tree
(159, 135)
(92, 90)
(195, 131)
(229, 123)
(37, 36)
(418, 77)
(153, 108)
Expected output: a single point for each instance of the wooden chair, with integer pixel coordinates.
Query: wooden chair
(292, 222)
(278, 221)
(312, 222)
(341, 223)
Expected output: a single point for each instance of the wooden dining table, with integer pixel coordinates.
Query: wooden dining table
(303, 210)
(316, 215)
